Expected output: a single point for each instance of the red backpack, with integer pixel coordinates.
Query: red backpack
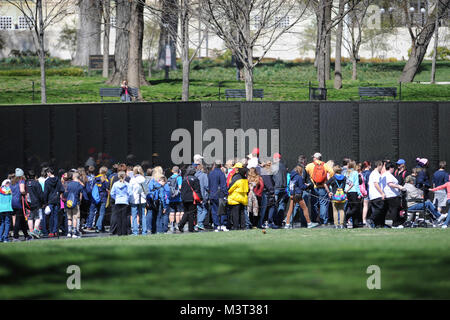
(319, 175)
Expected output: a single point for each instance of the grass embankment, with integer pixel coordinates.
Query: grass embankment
(280, 81)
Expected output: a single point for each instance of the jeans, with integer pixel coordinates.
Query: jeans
(248, 224)
(202, 211)
(264, 204)
(280, 197)
(93, 210)
(447, 220)
(218, 220)
(428, 206)
(138, 209)
(44, 224)
(322, 203)
(53, 218)
(5, 224)
(150, 219)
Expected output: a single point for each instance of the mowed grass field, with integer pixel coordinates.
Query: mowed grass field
(281, 82)
(282, 264)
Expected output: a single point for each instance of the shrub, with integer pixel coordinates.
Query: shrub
(74, 72)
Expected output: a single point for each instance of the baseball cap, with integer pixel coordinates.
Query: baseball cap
(277, 156)
(317, 155)
(218, 162)
(401, 161)
(238, 165)
(255, 151)
(197, 158)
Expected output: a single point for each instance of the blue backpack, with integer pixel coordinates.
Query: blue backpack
(71, 201)
(95, 194)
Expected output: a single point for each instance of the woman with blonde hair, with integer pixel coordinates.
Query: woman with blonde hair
(153, 195)
(138, 197)
(256, 186)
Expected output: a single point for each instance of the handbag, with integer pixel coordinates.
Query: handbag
(194, 194)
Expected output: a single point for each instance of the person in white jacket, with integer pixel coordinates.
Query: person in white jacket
(139, 190)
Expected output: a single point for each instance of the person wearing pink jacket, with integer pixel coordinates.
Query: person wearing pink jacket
(441, 187)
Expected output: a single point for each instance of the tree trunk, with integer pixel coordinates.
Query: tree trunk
(354, 69)
(88, 32)
(420, 45)
(133, 49)
(322, 44)
(248, 74)
(168, 34)
(120, 67)
(436, 40)
(106, 19)
(328, 41)
(141, 26)
(338, 57)
(41, 51)
(184, 19)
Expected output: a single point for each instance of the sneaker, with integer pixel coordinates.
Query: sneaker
(398, 227)
(69, 235)
(442, 217)
(51, 235)
(444, 226)
(217, 229)
(75, 236)
(200, 228)
(28, 238)
(287, 226)
(312, 225)
(224, 228)
(15, 240)
(370, 224)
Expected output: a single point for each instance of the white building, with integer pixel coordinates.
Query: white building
(292, 45)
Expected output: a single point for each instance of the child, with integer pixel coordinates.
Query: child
(73, 195)
(121, 193)
(161, 203)
(5, 210)
(336, 191)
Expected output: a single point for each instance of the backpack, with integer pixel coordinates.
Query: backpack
(95, 193)
(339, 196)
(319, 173)
(362, 186)
(174, 189)
(71, 201)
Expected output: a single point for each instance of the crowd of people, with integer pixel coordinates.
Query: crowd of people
(238, 195)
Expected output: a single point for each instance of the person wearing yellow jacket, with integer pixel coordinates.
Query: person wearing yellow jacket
(238, 197)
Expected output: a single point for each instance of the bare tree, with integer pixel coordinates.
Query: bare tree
(324, 26)
(88, 31)
(232, 21)
(421, 33)
(353, 39)
(436, 41)
(151, 34)
(38, 21)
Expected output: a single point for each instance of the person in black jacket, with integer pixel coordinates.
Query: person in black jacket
(52, 197)
(268, 196)
(280, 180)
(35, 199)
(190, 185)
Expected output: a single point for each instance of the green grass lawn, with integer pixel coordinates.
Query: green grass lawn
(282, 264)
(280, 81)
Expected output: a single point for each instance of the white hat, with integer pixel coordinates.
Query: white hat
(317, 155)
(198, 159)
(5, 182)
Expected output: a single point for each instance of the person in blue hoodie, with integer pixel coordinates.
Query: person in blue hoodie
(218, 191)
(335, 188)
(296, 189)
(102, 183)
(176, 209)
(160, 198)
(121, 193)
(5, 210)
(202, 208)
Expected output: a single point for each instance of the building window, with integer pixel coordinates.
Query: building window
(257, 22)
(6, 23)
(282, 22)
(25, 23)
(113, 21)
